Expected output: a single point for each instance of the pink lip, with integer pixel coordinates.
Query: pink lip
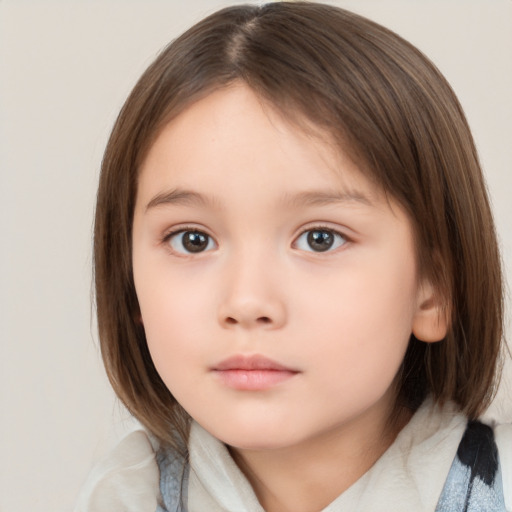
(252, 373)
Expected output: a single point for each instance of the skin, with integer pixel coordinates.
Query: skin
(255, 185)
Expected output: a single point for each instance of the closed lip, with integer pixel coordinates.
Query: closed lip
(251, 362)
(252, 373)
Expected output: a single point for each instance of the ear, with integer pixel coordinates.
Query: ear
(432, 316)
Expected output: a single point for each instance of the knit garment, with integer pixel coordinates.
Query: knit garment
(474, 482)
(174, 478)
(437, 463)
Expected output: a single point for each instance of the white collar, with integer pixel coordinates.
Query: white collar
(409, 476)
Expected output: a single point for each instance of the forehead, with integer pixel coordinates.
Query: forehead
(232, 138)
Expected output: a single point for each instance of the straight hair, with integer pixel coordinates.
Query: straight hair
(385, 104)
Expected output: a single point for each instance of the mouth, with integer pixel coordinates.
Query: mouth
(252, 373)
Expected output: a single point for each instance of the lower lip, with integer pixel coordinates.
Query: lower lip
(254, 380)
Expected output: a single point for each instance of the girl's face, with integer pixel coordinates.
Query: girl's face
(277, 285)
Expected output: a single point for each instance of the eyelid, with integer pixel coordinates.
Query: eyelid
(311, 226)
(171, 228)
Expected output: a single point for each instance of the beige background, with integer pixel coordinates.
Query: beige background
(65, 68)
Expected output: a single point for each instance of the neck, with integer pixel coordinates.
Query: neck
(308, 476)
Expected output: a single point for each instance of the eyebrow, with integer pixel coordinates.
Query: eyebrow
(179, 196)
(327, 197)
(301, 199)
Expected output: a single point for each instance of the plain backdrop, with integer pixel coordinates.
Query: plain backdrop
(65, 68)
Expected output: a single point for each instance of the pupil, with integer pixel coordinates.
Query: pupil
(194, 241)
(320, 240)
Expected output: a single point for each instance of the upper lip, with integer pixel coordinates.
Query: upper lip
(250, 362)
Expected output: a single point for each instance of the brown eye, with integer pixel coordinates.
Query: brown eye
(190, 242)
(320, 240)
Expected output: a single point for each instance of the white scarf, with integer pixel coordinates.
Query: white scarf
(408, 477)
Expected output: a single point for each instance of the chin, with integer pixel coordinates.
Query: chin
(258, 444)
(253, 437)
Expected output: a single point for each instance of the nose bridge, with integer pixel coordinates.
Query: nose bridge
(253, 294)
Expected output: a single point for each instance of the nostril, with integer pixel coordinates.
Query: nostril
(260, 320)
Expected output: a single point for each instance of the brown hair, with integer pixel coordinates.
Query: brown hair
(385, 103)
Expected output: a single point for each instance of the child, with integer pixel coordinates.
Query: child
(298, 283)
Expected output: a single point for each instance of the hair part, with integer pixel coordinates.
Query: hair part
(390, 109)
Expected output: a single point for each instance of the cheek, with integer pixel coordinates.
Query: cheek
(170, 319)
(168, 297)
(174, 320)
(361, 320)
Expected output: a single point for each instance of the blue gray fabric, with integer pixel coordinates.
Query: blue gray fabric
(474, 483)
(174, 472)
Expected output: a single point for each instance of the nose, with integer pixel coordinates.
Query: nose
(252, 296)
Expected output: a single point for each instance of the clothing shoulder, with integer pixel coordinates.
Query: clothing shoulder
(479, 478)
(503, 435)
(127, 480)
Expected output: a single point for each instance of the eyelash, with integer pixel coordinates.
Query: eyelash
(319, 229)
